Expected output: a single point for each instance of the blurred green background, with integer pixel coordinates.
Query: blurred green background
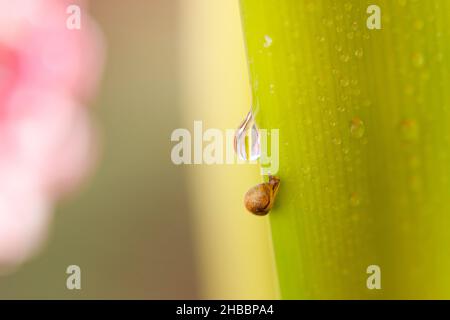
(141, 227)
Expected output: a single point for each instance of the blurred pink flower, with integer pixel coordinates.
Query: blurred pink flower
(47, 74)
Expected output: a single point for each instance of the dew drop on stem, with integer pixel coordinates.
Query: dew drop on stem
(247, 139)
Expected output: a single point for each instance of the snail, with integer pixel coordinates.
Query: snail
(260, 198)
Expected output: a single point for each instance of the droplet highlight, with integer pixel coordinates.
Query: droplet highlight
(418, 59)
(267, 41)
(354, 200)
(357, 128)
(359, 53)
(247, 139)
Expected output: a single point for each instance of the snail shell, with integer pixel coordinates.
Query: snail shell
(259, 199)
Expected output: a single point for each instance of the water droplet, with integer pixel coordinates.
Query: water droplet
(344, 82)
(354, 200)
(247, 140)
(357, 128)
(271, 88)
(267, 41)
(359, 53)
(306, 171)
(418, 59)
(256, 84)
(409, 130)
(344, 97)
(345, 58)
(337, 141)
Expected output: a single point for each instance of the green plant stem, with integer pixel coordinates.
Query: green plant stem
(364, 143)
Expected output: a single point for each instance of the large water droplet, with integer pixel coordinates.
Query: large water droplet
(418, 59)
(271, 88)
(357, 127)
(344, 82)
(344, 57)
(247, 140)
(267, 41)
(359, 53)
(337, 141)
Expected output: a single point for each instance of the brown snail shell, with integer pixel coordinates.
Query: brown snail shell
(259, 199)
